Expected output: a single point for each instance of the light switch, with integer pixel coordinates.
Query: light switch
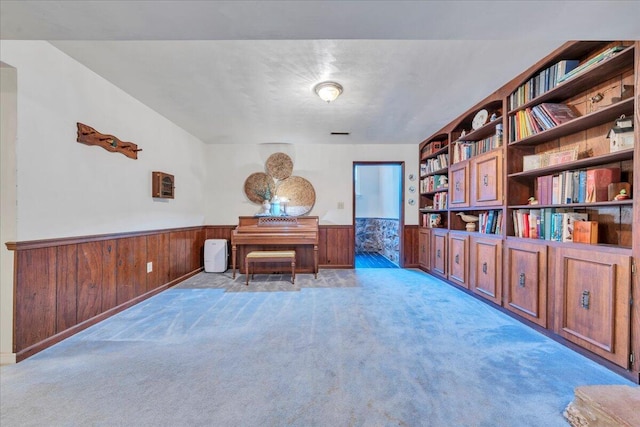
(149, 266)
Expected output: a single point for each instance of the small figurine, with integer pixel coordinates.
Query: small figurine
(470, 220)
(493, 117)
(622, 195)
(532, 201)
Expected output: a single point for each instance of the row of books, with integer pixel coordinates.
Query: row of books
(558, 225)
(432, 147)
(434, 183)
(539, 118)
(434, 164)
(432, 220)
(544, 81)
(463, 150)
(576, 186)
(490, 222)
(440, 200)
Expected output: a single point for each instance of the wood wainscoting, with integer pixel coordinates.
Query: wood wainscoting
(411, 253)
(62, 286)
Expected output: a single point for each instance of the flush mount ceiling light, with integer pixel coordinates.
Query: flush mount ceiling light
(328, 91)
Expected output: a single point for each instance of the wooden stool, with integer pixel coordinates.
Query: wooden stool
(271, 256)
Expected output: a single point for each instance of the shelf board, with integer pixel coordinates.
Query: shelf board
(586, 80)
(578, 164)
(482, 132)
(613, 203)
(604, 115)
(443, 150)
(602, 247)
(425, 210)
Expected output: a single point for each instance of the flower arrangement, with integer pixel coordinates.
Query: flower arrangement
(265, 193)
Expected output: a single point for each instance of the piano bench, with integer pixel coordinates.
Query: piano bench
(271, 256)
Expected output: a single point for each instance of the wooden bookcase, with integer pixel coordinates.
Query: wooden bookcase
(529, 161)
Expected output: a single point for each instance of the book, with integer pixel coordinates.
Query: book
(598, 181)
(588, 64)
(559, 113)
(585, 232)
(568, 221)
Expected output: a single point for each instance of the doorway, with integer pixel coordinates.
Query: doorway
(378, 214)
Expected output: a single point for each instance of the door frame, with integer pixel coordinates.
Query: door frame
(400, 201)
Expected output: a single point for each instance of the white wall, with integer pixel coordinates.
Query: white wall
(65, 188)
(379, 191)
(329, 168)
(8, 110)
(70, 189)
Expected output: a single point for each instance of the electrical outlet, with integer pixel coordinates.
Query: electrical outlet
(340, 205)
(149, 267)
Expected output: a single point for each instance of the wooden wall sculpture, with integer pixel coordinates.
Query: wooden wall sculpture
(89, 136)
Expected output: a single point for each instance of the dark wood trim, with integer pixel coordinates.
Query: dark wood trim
(46, 243)
(401, 201)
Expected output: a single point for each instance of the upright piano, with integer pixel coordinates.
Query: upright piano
(274, 232)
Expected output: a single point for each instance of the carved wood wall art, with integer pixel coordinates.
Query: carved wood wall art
(89, 136)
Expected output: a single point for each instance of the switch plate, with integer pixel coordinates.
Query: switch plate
(149, 266)
(340, 205)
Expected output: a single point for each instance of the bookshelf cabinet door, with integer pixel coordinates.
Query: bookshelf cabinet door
(459, 185)
(459, 259)
(485, 276)
(525, 280)
(439, 253)
(592, 296)
(487, 179)
(424, 243)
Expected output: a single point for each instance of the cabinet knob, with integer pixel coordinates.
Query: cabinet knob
(457, 185)
(485, 180)
(484, 267)
(522, 280)
(438, 253)
(457, 258)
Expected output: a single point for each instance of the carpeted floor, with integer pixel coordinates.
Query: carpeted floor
(370, 347)
(373, 260)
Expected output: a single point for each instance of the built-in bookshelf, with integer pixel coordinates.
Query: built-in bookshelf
(434, 182)
(542, 193)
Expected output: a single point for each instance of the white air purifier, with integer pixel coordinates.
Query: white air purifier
(215, 255)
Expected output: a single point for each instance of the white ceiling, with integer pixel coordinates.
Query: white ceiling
(242, 72)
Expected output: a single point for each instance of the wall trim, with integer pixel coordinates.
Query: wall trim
(7, 359)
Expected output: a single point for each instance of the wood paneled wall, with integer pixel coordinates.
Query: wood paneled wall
(411, 253)
(63, 286)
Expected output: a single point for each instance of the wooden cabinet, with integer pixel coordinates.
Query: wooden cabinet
(529, 154)
(525, 280)
(459, 192)
(486, 175)
(592, 301)
(162, 185)
(459, 258)
(424, 243)
(485, 276)
(439, 252)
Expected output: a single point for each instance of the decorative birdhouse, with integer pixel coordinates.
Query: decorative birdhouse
(621, 134)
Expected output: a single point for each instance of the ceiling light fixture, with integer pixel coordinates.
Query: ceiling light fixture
(328, 91)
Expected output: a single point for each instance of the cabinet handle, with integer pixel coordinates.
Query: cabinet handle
(422, 248)
(457, 258)
(485, 180)
(522, 280)
(484, 267)
(584, 300)
(457, 185)
(438, 253)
